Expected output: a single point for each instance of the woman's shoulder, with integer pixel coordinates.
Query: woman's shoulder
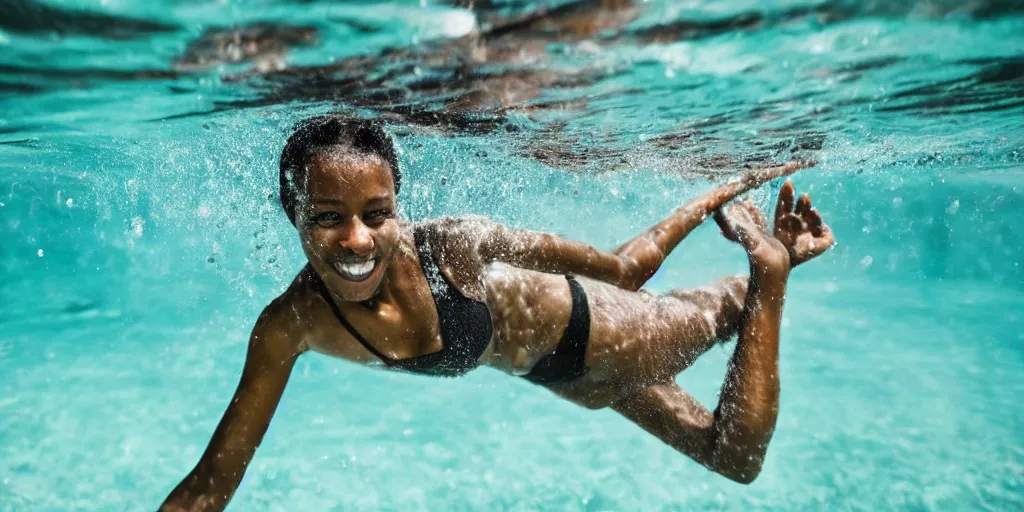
(286, 317)
(463, 227)
(454, 243)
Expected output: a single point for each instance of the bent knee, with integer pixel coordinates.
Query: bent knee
(721, 304)
(724, 297)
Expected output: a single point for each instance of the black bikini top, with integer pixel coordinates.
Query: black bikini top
(465, 323)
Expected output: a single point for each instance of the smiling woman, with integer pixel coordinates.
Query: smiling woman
(444, 297)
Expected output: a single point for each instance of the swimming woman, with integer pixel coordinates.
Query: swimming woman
(446, 296)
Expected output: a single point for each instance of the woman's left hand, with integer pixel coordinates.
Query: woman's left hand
(800, 227)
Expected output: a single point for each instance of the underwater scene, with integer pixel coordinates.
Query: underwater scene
(141, 235)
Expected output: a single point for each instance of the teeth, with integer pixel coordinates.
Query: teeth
(355, 269)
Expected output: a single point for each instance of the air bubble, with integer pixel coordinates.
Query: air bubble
(953, 207)
(137, 226)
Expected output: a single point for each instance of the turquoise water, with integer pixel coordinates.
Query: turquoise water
(140, 237)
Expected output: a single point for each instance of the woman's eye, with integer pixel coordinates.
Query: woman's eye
(327, 219)
(378, 216)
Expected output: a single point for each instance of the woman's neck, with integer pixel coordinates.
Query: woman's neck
(395, 275)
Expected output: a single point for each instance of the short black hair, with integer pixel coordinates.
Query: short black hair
(313, 135)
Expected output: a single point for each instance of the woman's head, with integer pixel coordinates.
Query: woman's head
(339, 178)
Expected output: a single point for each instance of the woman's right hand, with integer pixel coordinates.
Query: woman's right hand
(273, 347)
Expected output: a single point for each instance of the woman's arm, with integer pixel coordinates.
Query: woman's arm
(273, 348)
(631, 265)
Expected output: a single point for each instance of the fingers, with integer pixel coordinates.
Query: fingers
(784, 204)
(807, 247)
(803, 205)
(826, 236)
(809, 214)
(790, 224)
(813, 220)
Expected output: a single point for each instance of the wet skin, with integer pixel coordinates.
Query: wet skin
(638, 341)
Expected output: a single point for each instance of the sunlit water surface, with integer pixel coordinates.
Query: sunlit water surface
(140, 237)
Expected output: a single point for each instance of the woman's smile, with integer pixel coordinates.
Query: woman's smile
(356, 270)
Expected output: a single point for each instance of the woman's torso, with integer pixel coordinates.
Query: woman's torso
(406, 324)
(529, 311)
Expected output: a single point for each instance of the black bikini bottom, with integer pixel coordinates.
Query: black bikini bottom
(567, 363)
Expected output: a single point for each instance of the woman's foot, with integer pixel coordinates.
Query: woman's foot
(799, 234)
(743, 223)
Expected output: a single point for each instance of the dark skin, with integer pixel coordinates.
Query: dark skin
(638, 341)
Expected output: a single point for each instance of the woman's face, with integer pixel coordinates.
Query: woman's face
(347, 222)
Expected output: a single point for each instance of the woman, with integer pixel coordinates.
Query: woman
(445, 296)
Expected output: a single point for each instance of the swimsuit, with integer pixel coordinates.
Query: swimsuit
(566, 363)
(466, 330)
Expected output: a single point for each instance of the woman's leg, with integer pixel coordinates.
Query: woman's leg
(719, 308)
(733, 441)
(638, 339)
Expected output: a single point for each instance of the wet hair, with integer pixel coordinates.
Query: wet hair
(316, 134)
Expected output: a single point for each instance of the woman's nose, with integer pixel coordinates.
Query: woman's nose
(358, 239)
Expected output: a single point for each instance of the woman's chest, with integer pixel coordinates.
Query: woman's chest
(389, 331)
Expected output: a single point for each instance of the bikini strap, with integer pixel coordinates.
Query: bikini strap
(427, 264)
(568, 361)
(577, 332)
(325, 294)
